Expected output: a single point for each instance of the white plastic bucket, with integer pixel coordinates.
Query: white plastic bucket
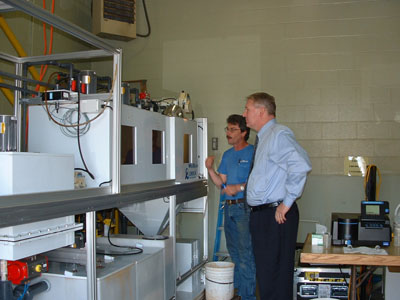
(219, 280)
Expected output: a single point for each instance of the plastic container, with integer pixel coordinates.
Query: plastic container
(396, 227)
(327, 240)
(396, 235)
(8, 133)
(219, 280)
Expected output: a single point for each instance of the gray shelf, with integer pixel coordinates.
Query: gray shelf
(27, 208)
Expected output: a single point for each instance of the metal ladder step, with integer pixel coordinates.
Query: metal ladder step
(222, 254)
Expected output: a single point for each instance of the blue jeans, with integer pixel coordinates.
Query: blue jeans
(238, 242)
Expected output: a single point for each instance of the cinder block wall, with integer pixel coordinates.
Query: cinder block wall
(332, 65)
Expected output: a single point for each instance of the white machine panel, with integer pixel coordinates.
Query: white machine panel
(145, 142)
(148, 216)
(23, 172)
(168, 267)
(183, 149)
(392, 288)
(127, 277)
(198, 205)
(46, 136)
(24, 240)
(188, 257)
(145, 276)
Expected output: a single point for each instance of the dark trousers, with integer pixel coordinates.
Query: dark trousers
(274, 246)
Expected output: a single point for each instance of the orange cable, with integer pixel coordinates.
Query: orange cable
(43, 68)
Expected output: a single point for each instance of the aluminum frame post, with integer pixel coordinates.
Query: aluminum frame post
(116, 128)
(17, 106)
(91, 280)
(172, 231)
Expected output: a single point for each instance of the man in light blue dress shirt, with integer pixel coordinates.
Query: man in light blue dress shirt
(276, 180)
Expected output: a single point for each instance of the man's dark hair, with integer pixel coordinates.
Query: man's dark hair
(241, 122)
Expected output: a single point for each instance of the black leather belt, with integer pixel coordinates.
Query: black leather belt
(265, 206)
(234, 201)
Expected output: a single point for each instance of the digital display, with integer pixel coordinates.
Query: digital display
(372, 210)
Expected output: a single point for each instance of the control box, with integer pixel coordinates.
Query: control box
(26, 269)
(321, 282)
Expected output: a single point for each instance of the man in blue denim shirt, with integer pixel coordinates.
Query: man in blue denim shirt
(232, 177)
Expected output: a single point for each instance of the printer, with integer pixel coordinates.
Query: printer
(369, 228)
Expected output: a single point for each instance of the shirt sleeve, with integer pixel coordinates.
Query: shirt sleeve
(293, 159)
(223, 169)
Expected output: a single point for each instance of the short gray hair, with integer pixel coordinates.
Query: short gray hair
(264, 99)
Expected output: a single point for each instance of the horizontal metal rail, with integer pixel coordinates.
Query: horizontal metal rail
(64, 25)
(190, 272)
(27, 208)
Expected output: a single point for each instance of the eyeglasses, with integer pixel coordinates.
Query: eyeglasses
(231, 129)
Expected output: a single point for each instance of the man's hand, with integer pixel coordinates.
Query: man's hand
(280, 213)
(230, 190)
(210, 162)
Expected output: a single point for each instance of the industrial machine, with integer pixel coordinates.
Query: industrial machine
(369, 228)
(121, 274)
(112, 156)
(188, 258)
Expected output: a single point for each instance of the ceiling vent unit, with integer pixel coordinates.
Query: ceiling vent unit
(114, 19)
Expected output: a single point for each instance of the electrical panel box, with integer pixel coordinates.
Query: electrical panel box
(114, 19)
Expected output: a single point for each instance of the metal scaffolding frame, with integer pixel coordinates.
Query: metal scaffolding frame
(21, 209)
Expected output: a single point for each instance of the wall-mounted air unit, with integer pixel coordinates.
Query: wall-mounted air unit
(114, 19)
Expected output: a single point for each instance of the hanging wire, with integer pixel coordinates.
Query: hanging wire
(147, 21)
(68, 118)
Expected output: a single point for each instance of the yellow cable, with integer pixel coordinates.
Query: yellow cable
(7, 93)
(17, 46)
(116, 214)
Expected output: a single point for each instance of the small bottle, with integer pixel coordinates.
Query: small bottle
(396, 231)
(327, 240)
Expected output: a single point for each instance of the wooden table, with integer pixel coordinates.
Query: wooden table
(334, 255)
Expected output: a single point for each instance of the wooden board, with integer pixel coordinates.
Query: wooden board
(335, 255)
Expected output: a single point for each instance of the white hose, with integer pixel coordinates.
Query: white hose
(3, 270)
